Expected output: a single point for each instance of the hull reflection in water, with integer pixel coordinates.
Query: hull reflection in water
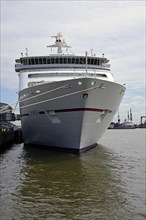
(54, 185)
(107, 183)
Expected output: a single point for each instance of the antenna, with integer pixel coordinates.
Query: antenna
(86, 61)
(26, 52)
(91, 52)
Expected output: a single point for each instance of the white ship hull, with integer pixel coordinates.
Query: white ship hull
(68, 115)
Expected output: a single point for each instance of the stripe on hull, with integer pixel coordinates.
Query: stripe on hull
(72, 110)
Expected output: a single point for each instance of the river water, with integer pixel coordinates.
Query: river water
(105, 183)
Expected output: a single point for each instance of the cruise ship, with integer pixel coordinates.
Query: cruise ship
(66, 101)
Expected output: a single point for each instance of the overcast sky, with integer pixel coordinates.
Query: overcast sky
(115, 28)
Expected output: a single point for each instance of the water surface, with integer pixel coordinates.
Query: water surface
(105, 183)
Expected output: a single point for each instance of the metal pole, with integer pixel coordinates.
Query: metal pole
(86, 63)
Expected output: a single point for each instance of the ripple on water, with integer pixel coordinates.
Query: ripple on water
(105, 183)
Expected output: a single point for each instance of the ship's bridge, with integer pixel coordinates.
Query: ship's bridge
(63, 61)
(60, 66)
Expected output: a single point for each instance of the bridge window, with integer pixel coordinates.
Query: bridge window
(22, 61)
(77, 60)
(69, 60)
(89, 61)
(40, 60)
(48, 61)
(56, 60)
(26, 61)
(29, 62)
(95, 62)
(44, 60)
(61, 60)
(92, 61)
(36, 61)
(52, 60)
(81, 60)
(32, 61)
(73, 60)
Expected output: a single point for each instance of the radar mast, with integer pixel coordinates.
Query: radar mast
(59, 43)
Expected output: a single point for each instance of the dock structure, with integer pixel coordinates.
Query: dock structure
(7, 114)
(9, 133)
(142, 125)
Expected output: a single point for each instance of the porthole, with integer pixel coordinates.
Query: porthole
(93, 83)
(79, 83)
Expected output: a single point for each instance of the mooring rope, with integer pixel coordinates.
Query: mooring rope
(43, 93)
